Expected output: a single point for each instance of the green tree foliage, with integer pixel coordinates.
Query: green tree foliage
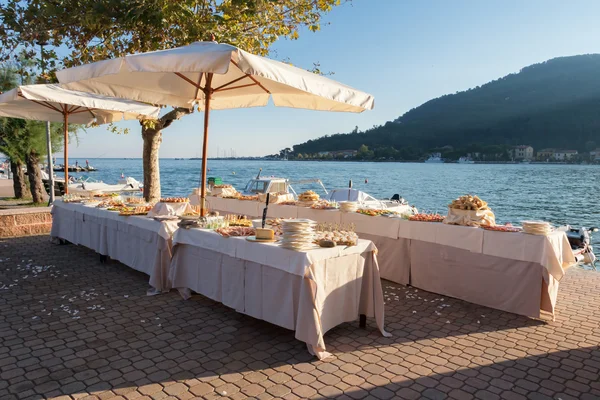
(102, 29)
(552, 104)
(105, 29)
(24, 142)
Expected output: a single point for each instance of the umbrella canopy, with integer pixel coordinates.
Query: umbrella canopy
(57, 104)
(50, 102)
(213, 76)
(177, 76)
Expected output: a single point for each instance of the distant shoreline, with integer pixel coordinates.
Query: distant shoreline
(358, 161)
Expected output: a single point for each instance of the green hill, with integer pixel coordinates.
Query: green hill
(552, 104)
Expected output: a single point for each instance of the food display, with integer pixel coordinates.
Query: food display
(343, 238)
(224, 190)
(72, 198)
(91, 201)
(325, 205)
(265, 234)
(174, 200)
(336, 233)
(470, 210)
(375, 213)
(236, 231)
(287, 203)
(502, 228)
(275, 197)
(135, 200)
(468, 202)
(105, 195)
(239, 196)
(237, 220)
(111, 204)
(309, 195)
(140, 210)
(424, 217)
(348, 206)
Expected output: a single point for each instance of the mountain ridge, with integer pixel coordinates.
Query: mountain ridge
(555, 103)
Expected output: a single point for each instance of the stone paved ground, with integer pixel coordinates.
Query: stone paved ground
(71, 327)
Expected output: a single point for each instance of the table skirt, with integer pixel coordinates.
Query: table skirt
(519, 287)
(394, 257)
(333, 291)
(141, 249)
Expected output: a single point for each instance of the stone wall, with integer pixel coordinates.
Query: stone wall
(25, 222)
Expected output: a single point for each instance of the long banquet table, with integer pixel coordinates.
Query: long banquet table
(308, 292)
(513, 272)
(138, 242)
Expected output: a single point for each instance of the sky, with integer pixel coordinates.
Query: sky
(403, 52)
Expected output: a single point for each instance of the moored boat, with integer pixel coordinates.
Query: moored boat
(466, 160)
(435, 158)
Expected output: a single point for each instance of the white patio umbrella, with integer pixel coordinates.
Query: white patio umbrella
(57, 104)
(213, 76)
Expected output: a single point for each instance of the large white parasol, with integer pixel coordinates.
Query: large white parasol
(213, 76)
(57, 104)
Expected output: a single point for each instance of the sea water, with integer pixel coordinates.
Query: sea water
(560, 194)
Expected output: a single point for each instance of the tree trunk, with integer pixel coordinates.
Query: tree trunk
(152, 139)
(35, 177)
(19, 183)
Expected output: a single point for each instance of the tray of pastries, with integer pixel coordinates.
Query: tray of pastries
(424, 217)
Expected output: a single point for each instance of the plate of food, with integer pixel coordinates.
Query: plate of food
(174, 200)
(424, 217)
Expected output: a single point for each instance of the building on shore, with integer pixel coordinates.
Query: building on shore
(564, 155)
(545, 154)
(595, 155)
(522, 152)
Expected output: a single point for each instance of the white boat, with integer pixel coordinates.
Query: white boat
(465, 160)
(263, 185)
(435, 158)
(123, 185)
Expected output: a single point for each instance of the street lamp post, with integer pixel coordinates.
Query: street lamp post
(42, 43)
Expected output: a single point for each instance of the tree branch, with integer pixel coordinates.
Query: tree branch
(166, 120)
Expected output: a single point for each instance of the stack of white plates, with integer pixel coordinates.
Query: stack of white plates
(348, 206)
(298, 234)
(536, 227)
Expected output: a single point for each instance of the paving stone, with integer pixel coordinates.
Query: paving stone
(202, 349)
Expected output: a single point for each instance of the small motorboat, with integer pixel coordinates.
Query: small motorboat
(263, 185)
(128, 184)
(580, 240)
(435, 158)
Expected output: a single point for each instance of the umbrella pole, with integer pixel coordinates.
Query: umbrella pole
(207, 93)
(66, 154)
(50, 164)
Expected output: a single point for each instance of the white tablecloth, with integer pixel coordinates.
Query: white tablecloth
(308, 292)
(553, 252)
(170, 209)
(138, 242)
(460, 250)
